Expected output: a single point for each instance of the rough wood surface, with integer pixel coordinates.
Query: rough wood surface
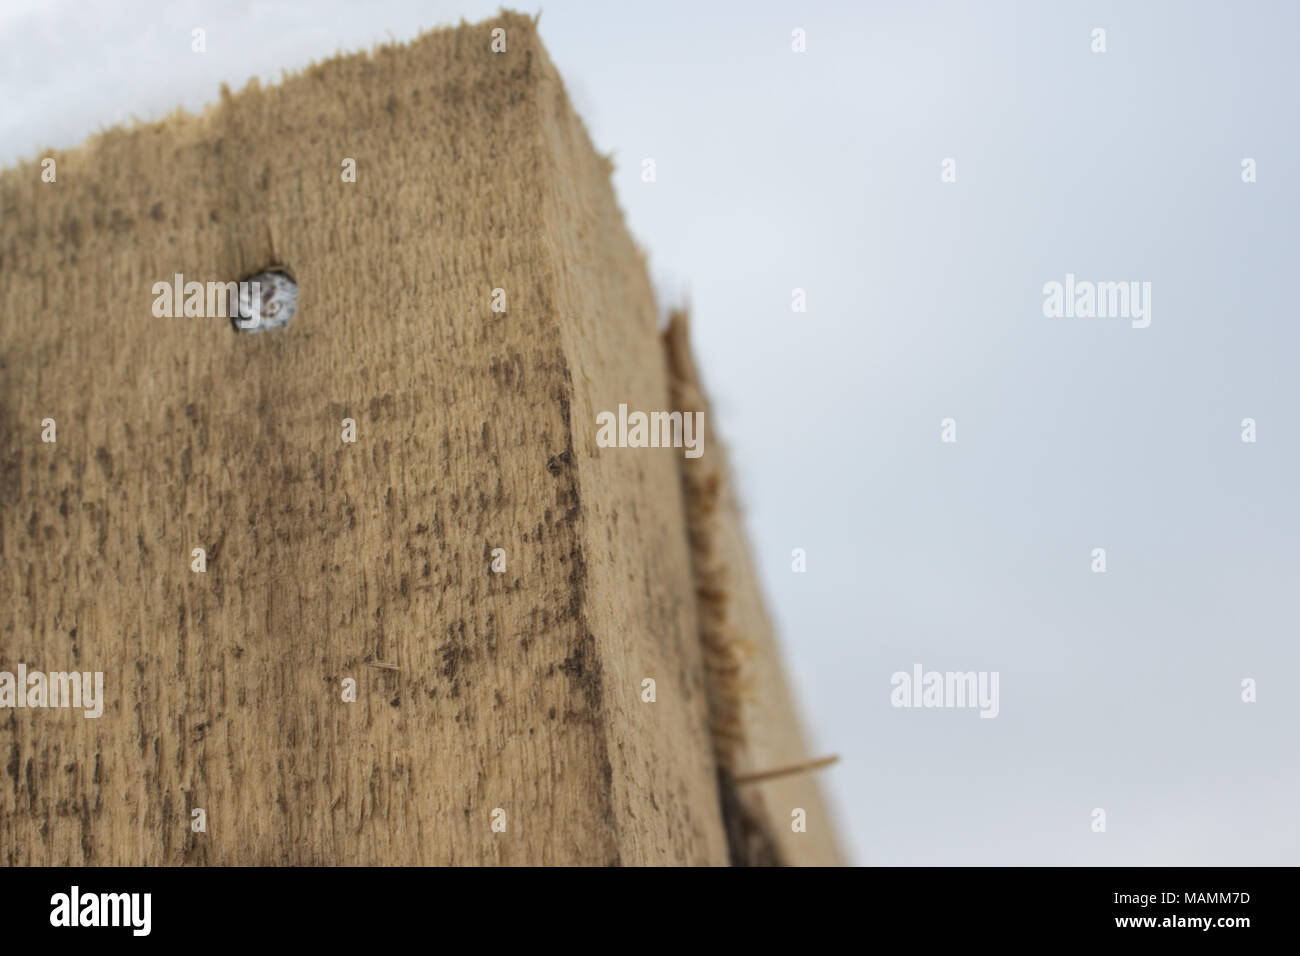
(328, 560)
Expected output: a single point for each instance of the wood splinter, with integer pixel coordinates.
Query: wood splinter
(758, 776)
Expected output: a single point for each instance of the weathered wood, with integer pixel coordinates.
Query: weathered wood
(370, 560)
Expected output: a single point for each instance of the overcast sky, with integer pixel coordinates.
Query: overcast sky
(821, 170)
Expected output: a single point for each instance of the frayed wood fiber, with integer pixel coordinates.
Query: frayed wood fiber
(753, 720)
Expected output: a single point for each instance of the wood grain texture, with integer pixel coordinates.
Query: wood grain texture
(327, 560)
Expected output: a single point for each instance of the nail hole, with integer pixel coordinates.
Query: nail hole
(267, 300)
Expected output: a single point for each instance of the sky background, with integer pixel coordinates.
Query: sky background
(821, 171)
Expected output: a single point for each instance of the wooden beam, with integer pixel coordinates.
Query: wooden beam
(499, 714)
